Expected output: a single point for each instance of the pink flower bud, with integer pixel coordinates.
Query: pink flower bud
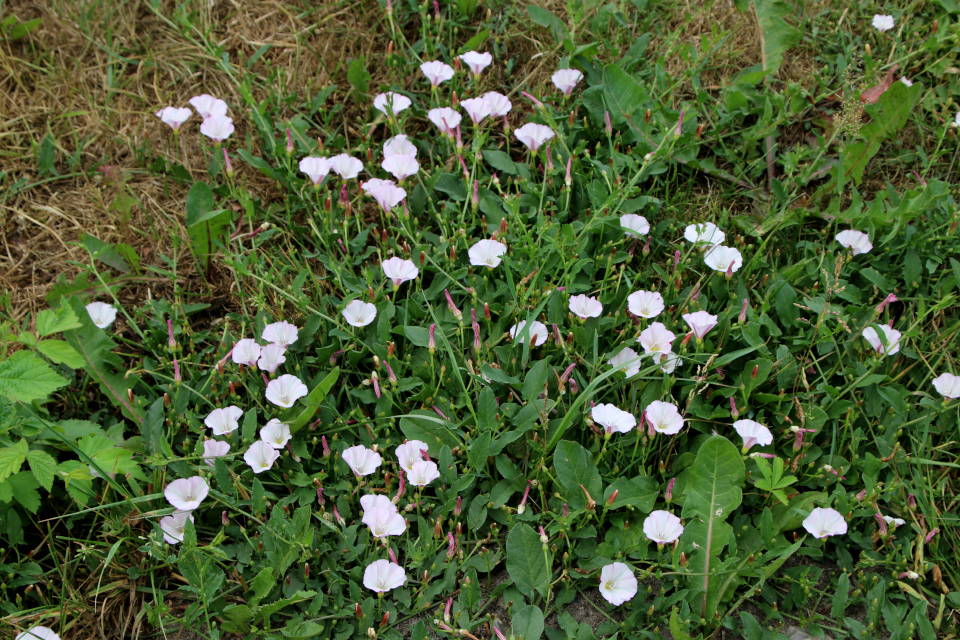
(646, 247)
(176, 372)
(476, 194)
(676, 258)
(224, 519)
(227, 163)
(606, 124)
(320, 500)
(686, 339)
(862, 495)
(568, 180)
(432, 342)
(170, 340)
(439, 413)
(890, 298)
(881, 524)
(743, 312)
(679, 130)
(930, 535)
(668, 496)
(911, 501)
(557, 337)
(696, 293)
(499, 633)
(544, 538)
(337, 518)
(459, 139)
(549, 160)
(733, 408)
(529, 97)
(436, 14)
(403, 485)
(453, 308)
(326, 447)
(457, 510)
(289, 142)
(376, 383)
(446, 610)
(451, 545)
(567, 372)
(523, 501)
(566, 510)
(393, 556)
(390, 374)
(574, 387)
(729, 274)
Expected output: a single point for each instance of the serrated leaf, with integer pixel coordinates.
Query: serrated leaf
(63, 318)
(25, 377)
(11, 458)
(61, 353)
(25, 492)
(43, 466)
(575, 469)
(526, 562)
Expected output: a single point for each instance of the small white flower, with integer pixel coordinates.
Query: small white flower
(423, 473)
(276, 434)
(664, 417)
(585, 307)
(662, 527)
(825, 522)
(498, 103)
(38, 633)
(384, 522)
(538, 331)
(896, 522)
(705, 233)
(477, 61)
(400, 167)
(207, 106)
(261, 456)
(281, 333)
(390, 103)
(613, 419)
(669, 361)
(172, 527)
(246, 351)
(486, 253)
(217, 128)
(385, 192)
(436, 72)
(399, 145)
(882, 23)
(362, 461)
(271, 357)
(377, 501)
(382, 576)
(753, 433)
(634, 226)
(445, 119)
(723, 259)
(892, 336)
(947, 385)
(857, 241)
(645, 304)
(359, 313)
(700, 323)
(174, 117)
(315, 168)
(533, 135)
(223, 421)
(186, 494)
(617, 583)
(409, 454)
(102, 314)
(345, 166)
(656, 338)
(566, 79)
(286, 390)
(213, 449)
(476, 108)
(906, 81)
(399, 270)
(627, 360)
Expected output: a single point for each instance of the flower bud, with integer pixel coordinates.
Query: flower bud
(544, 538)
(613, 497)
(289, 142)
(227, 163)
(457, 509)
(431, 341)
(452, 307)
(668, 495)
(743, 312)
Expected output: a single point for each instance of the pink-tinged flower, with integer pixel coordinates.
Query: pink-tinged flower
(174, 117)
(723, 259)
(822, 523)
(753, 433)
(617, 583)
(913, 575)
(627, 360)
(399, 270)
(207, 106)
(669, 361)
(857, 241)
(186, 494)
(892, 337)
(261, 456)
(476, 108)
(931, 535)
(408, 453)
(223, 421)
(436, 72)
(613, 419)
(888, 300)
(384, 522)
(385, 192)
(947, 385)
(423, 473)
(743, 312)
(733, 408)
(246, 351)
(668, 494)
(645, 304)
(362, 461)
(400, 167)
(282, 333)
(882, 23)
(538, 332)
(533, 135)
(390, 103)
(664, 417)
(477, 61)
(656, 338)
(585, 307)
(382, 576)
(566, 80)
(705, 233)
(359, 313)
(213, 449)
(345, 166)
(276, 434)
(498, 103)
(286, 390)
(881, 524)
(315, 168)
(101, 314)
(662, 527)
(486, 253)
(700, 322)
(894, 522)
(271, 357)
(217, 128)
(399, 145)
(906, 81)
(38, 633)
(376, 501)
(445, 119)
(634, 226)
(172, 527)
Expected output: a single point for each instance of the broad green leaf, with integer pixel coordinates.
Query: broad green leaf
(528, 623)
(25, 492)
(50, 321)
(526, 562)
(473, 44)
(202, 573)
(536, 377)
(199, 202)
(840, 597)
(47, 156)
(777, 36)
(487, 410)
(621, 93)
(314, 399)
(25, 377)
(675, 630)
(575, 469)
(61, 353)
(358, 76)
(43, 466)
(11, 458)
(500, 161)
(639, 493)
(546, 19)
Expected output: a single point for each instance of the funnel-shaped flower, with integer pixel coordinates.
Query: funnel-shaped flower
(538, 332)
(498, 103)
(359, 313)
(423, 473)
(892, 337)
(723, 259)
(882, 23)
(286, 390)
(627, 360)
(705, 233)
(656, 338)
(476, 108)
(400, 167)
(217, 128)
(477, 61)
(664, 417)
(947, 385)
(613, 419)
(753, 433)
(282, 333)
(172, 527)
(377, 501)
(382, 576)
(700, 323)
(38, 633)
(533, 135)
(362, 461)
(634, 226)
(246, 351)
(272, 356)
(213, 449)
(662, 527)
(566, 80)
(436, 72)
(645, 304)
(315, 168)
(384, 522)
(174, 117)
(390, 103)
(102, 314)
(486, 253)
(399, 145)
(276, 434)
(585, 307)
(223, 421)
(669, 361)
(186, 494)
(409, 454)
(385, 192)
(345, 166)
(617, 583)
(822, 523)
(445, 119)
(857, 241)
(208, 106)
(261, 456)
(399, 270)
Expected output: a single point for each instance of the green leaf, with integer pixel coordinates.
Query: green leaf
(500, 161)
(202, 573)
(526, 562)
(675, 629)
(50, 321)
(61, 353)
(43, 466)
(105, 253)
(546, 19)
(777, 36)
(840, 597)
(487, 410)
(536, 377)
(47, 156)
(358, 76)
(199, 202)
(204, 223)
(25, 492)
(25, 377)
(639, 493)
(621, 93)
(575, 469)
(887, 116)
(452, 186)
(20, 29)
(314, 399)
(11, 458)
(528, 623)
(473, 44)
